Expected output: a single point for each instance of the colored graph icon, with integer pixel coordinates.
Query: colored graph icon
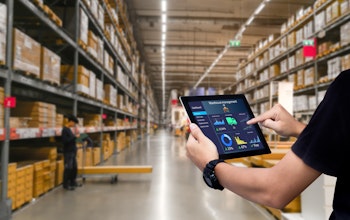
(255, 140)
(231, 121)
(226, 140)
(217, 123)
(239, 141)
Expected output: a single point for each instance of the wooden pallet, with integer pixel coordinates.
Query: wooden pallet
(82, 45)
(27, 73)
(38, 3)
(52, 15)
(52, 82)
(112, 171)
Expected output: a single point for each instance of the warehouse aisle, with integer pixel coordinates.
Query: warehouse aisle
(173, 191)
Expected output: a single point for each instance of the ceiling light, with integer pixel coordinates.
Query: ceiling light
(163, 6)
(163, 36)
(163, 18)
(259, 9)
(163, 28)
(250, 20)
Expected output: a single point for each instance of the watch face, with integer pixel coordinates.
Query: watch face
(207, 180)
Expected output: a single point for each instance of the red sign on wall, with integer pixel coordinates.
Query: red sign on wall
(309, 48)
(10, 102)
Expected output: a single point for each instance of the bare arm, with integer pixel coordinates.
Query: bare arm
(274, 187)
(279, 120)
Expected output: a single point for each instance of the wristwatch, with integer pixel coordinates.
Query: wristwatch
(209, 175)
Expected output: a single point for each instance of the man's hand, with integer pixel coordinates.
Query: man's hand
(200, 149)
(279, 120)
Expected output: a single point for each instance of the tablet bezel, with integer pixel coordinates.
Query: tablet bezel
(265, 150)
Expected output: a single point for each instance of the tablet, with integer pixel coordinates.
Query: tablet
(222, 118)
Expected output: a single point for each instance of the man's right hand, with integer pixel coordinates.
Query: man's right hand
(279, 120)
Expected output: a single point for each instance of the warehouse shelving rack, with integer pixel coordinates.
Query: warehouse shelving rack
(30, 17)
(316, 201)
(319, 63)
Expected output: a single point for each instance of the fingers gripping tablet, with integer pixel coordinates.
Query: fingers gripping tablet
(222, 118)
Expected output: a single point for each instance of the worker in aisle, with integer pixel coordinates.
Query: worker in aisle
(321, 147)
(69, 135)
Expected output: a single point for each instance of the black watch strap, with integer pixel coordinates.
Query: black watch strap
(209, 174)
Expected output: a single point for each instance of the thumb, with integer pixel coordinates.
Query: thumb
(196, 131)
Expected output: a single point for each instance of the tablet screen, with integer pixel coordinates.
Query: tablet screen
(222, 118)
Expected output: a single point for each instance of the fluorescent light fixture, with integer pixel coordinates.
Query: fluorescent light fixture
(163, 28)
(163, 36)
(260, 8)
(250, 20)
(163, 43)
(163, 18)
(163, 3)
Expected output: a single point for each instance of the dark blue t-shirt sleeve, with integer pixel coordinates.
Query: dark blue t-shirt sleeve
(323, 145)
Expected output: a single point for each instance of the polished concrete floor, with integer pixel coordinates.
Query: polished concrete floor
(173, 191)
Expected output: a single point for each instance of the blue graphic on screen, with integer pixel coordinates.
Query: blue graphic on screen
(224, 122)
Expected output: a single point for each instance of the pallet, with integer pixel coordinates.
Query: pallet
(82, 45)
(38, 3)
(52, 15)
(52, 82)
(112, 171)
(27, 73)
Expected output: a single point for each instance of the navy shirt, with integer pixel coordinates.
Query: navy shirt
(68, 140)
(324, 146)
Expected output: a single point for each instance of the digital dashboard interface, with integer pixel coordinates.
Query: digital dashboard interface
(222, 118)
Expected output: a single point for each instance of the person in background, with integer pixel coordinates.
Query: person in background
(69, 135)
(322, 147)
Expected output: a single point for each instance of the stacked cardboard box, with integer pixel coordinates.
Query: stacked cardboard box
(96, 155)
(59, 171)
(110, 95)
(41, 114)
(3, 31)
(48, 154)
(69, 16)
(2, 96)
(26, 54)
(11, 183)
(108, 62)
(99, 90)
(19, 122)
(41, 177)
(107, 146)
(344, 34)
(24, 184)
(121, 141)
(50, 66)
(92, 46)
(83, 76)
(94, 120)
(92, 84)
(345, 62)
(59, 120)
(80, 157)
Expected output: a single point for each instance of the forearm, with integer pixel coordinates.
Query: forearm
(299, 127)
(250, 183)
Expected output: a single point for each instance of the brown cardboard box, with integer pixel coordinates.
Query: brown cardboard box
(50, 66)
(26, 54)
(3, 30)
(67, 72)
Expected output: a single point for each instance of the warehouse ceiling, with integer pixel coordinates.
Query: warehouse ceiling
(196, 33)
